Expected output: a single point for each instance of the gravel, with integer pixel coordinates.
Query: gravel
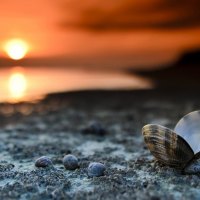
(54, 128)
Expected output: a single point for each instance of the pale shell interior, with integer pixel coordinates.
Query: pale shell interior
(189, 128)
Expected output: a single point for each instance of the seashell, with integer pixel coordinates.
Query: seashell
(96, 169)
(179, 148)
(189, 128)
(70, 162)
(43, 162)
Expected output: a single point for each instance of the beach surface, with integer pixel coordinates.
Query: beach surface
(61, 124)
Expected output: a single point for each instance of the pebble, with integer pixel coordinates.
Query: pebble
(43, 161)
(70, 162)
(94, 128)
(96, 169)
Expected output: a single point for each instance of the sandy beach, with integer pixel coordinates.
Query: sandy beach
(60, 124)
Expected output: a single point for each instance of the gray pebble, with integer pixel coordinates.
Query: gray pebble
(96, 169)
(43, 162)
(94, 128)
(70, 162)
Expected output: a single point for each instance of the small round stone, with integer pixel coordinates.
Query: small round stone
(94, 127)
(43, 161)
(96, 169)
(70, 162)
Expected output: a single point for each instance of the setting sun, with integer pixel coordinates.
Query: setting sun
(16, 49)
(17, 85)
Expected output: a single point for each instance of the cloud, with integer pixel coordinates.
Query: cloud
(129, 14)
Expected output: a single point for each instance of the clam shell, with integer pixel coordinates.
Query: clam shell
(168, 147)
(193, 167)
(189, 129)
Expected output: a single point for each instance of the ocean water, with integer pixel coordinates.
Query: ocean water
(29, 83)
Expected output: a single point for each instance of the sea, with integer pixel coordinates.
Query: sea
(21, 83)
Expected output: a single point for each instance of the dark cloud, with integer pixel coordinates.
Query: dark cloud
(129, 14)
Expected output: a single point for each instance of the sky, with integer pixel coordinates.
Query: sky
(113, 33)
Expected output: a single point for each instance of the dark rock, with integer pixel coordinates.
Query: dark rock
(96, 169)
(43, 162)
(70, 162)
(94, 128)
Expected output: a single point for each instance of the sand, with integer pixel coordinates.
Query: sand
(59, 124)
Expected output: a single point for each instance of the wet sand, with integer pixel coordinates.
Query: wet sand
(59, 125)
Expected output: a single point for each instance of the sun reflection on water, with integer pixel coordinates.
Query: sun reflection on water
(17, 84)
(33, 83)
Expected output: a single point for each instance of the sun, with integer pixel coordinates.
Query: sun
(16, 49)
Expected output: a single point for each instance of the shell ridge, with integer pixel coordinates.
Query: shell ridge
(167, 146)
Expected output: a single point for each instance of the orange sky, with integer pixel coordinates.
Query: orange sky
(122, 33)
